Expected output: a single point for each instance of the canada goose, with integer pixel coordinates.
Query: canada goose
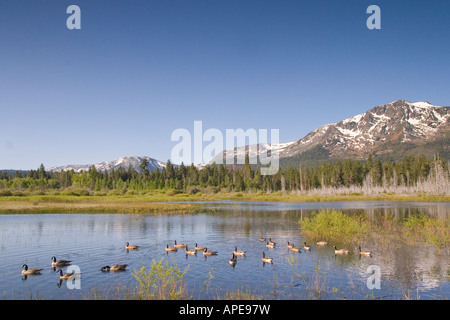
(115, 267)
(307, 247)
(190, 252)
(296, 249)
(131, 246)
(209, 253)
(27, 271)
(322, 243)
(179, 245)
(65, 276)
(270, 245)
(364, 253)
(290, 245)
(232, 261)
(198, 248)
(266, 259)
(271, 242)
(168, 249)
(262, 239)
(60, 263)
(340, 251)
(238, 253)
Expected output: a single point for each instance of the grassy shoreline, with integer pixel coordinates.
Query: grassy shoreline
(336, 226)
(34, 206)
(160, 202)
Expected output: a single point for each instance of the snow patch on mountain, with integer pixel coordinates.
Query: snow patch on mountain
(423, 104)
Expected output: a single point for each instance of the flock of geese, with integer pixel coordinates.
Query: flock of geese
(307, 247)
(64, 263)
(55, 264)
(239, 253)
(236, 253)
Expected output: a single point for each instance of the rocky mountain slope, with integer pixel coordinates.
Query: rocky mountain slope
(124, 162)
(390, 131)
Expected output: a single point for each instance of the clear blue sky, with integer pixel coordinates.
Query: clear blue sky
(139, 69)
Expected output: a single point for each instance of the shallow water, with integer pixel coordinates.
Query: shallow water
(94, 240)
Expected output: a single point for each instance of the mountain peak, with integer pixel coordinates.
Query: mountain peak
(422, 104)
(124, 162)
(399, 101)
(390, 131)
(384, 131)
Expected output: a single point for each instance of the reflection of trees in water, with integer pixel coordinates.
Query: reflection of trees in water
(407, 266)
(235, 217)
(413, 267)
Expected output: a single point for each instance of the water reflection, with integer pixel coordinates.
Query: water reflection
(405, 267)
(93, 241)
(397, 210)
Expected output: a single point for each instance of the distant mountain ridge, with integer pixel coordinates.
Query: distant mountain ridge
(390, 131)
(124, 162)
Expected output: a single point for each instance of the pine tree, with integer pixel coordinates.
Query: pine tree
(143, 166)
(41, 172)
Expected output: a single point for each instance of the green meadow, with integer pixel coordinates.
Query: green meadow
(168, 201)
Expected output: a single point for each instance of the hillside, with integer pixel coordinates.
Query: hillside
(390, 131)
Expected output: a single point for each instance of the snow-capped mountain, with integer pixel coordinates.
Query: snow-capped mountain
(253, 151)
(389, 131)
(382, 130)
(124, 162)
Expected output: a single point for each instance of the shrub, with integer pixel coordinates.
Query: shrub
(211, 190)
(53, 192)
(75, 192)
(20, 193)
(170, 193)
(5, 193)
(421, 228)
(335, 225)
(114, 192)
(100, 193)
(131, 193)
(163, 281)
(37, 193)
(192, 190)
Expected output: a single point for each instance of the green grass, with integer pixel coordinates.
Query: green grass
(74, 204)
(334, 225)
(421, 228)
(161, 201)
(337, 226)
(162, 281)
(172, 196)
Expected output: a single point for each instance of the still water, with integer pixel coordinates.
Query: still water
(92, 241)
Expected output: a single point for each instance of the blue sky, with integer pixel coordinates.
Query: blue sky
(137, 70)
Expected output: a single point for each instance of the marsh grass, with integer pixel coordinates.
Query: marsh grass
(421, 228)
(176, 195)
(160, 201)
(408, 295)
(335, 225)
(207, 282)
(70, 204)
(162, 281)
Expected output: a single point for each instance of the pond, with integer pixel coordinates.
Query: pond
(92, 241)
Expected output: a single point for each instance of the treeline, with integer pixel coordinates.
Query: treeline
(370, 174)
